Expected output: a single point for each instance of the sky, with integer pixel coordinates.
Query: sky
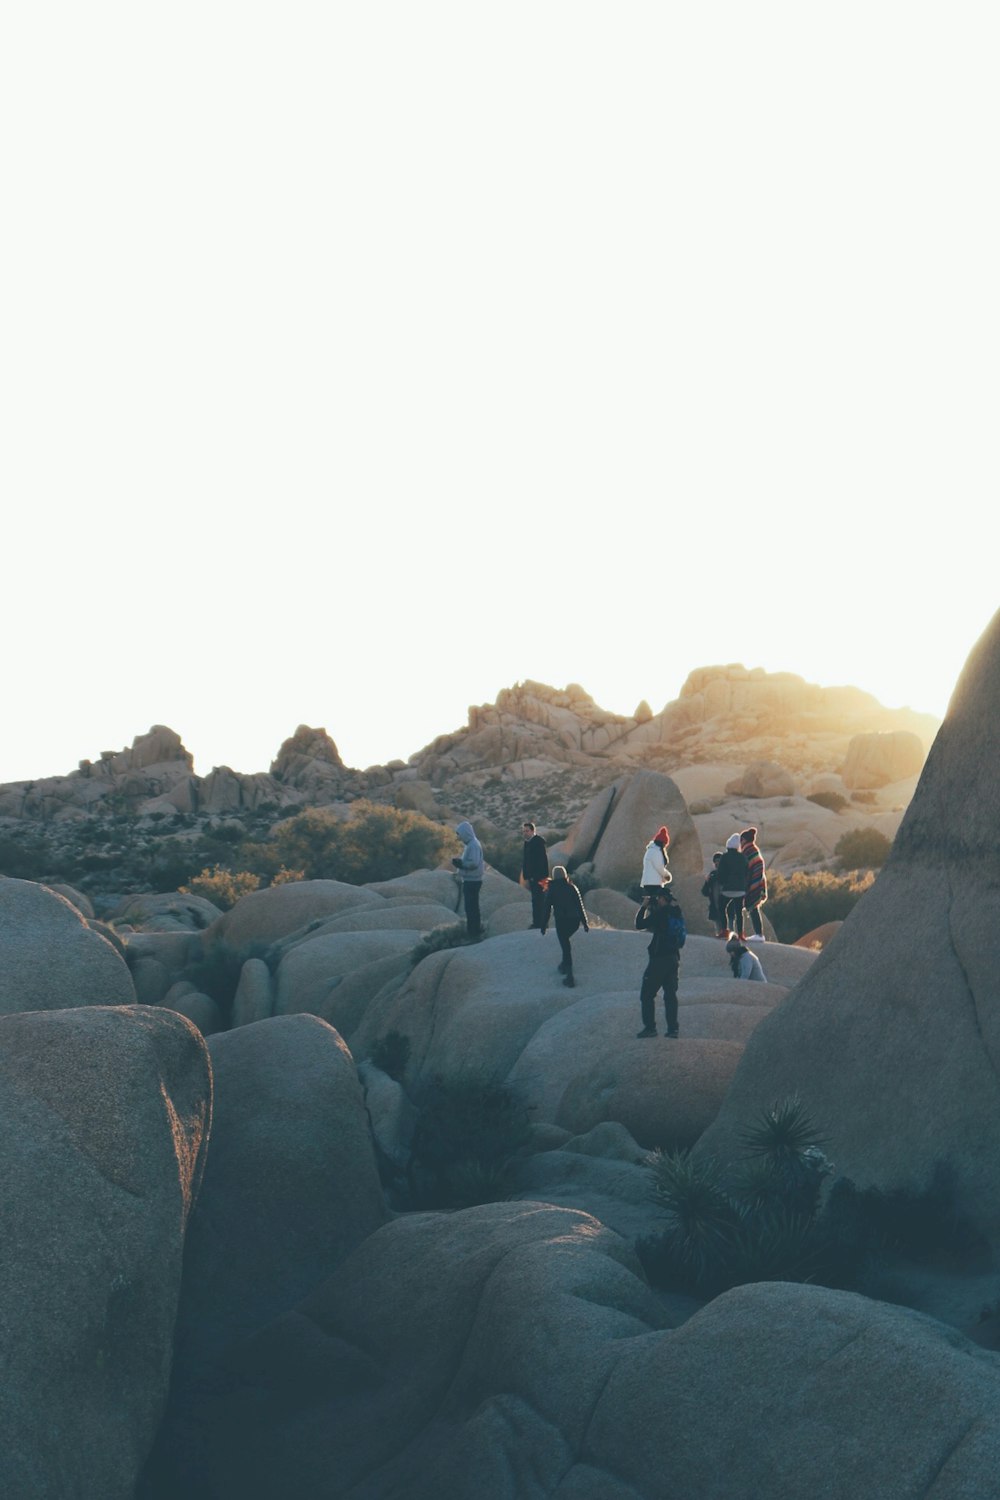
(359, 361)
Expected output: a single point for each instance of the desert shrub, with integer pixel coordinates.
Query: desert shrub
(467, 1132)
(439, 939)
(866, 1224)
(862, 849)
(833, 801)
(26, 861)
(221, 886)
(391, 1053)
(865, 797)
(757, 1223)
(376, 842)
(798, 903)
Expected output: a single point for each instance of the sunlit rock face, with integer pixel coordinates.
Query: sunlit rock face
(875, 760)
(892, 1040)
(50, 958)
(106, 1115)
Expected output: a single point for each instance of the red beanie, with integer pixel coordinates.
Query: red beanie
(662, 837)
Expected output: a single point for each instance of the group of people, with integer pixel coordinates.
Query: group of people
(735, 883)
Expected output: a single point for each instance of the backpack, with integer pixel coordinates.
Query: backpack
(676, 930)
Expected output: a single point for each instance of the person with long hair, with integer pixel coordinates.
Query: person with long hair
(564, 904)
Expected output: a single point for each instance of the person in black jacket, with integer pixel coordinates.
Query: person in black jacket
(535, 870)
(710, 890)
(564, 902)
(733, 888)
(661, 915)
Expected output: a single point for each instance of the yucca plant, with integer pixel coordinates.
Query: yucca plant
(785, 1159)
(696, 1245)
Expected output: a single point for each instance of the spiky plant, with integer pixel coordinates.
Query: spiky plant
(703, 1218)
(785, 1159)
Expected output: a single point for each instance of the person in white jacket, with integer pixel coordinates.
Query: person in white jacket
(655, 862)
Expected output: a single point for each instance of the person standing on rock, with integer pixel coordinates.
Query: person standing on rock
(470, 867)
(534, 870)
(744, 964)
(661, 916)
(733, 887)
(564, 903)
(655, 861)
(756, 893)
(710, 890)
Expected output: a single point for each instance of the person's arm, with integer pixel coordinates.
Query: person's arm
(583, 909)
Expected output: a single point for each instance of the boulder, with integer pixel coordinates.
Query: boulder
(312, 974)
(290, 1189)
(619, 822)
(267, 915)
(876, 760)
(51, 958)
(254, 998)
(106, 1115)
(763, 778)
(892, 1043)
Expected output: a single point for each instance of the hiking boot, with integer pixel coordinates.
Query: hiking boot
(673, 1031)
(646, 1031)
(569, 982)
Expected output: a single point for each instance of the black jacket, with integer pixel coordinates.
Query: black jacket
(655, 918)
(733, 868)
(564, 902)
(535, 860)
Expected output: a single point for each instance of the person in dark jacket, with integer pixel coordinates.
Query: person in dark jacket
(534, 870)
(470, 868)
(564, 903)
(710, 890)
(733, 887)
(661, 916)
(756, 882)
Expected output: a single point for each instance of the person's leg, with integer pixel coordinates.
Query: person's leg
(671, 972)
(470, 896)
(734, 915)
(537, 902)
(758, 925)
(647, 996)
(567, 955)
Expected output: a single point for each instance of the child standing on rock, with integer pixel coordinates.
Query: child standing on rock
(564, 903)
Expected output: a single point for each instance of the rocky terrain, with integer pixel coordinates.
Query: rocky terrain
(743, 746)
(312, 1197)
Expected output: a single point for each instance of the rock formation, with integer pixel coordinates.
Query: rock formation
(893, 1039)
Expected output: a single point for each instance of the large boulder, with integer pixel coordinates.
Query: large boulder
(265, 916)
(106, 1114)
(291, 1188)
(876, 760)
(893, 1038)
(50, 959)
(615, 827)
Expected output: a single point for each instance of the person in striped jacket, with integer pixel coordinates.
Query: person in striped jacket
(756, 882)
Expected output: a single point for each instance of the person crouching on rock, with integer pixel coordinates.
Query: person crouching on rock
(744, 964)
(654, 863)
(660, 915)
(470, 868)
(564, 904)
(756, 882)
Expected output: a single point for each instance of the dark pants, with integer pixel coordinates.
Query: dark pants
(758, 925)
(470, 900)
(564, 934)
(537, 903)
(661, 974)
(734, 914)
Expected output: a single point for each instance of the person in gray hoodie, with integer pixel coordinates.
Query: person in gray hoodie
(471, 868)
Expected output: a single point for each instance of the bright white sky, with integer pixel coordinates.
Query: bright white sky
(359, 360)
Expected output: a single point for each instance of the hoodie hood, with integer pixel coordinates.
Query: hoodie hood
(465, 831)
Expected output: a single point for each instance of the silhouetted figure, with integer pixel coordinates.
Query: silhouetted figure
(733, 886)
(471, 868)
(661, 916)
(655, 862)
(564, 904)
(710, 890)
(534, 870)
(756, 882)
(744, 964)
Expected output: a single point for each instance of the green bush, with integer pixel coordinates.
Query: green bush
(798, 903)
(467, 1132)
(862, 849)
(757, 1224)
(439, 939)
(376, 842)
(221, 886)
